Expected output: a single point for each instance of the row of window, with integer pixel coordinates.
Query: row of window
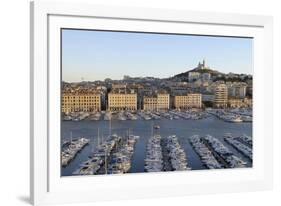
(80, 106)
(79, 97)
(189, 100)
(70, 101)
(71, 105)
(94, 101)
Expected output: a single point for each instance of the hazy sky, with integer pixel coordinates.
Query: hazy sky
(96, 55)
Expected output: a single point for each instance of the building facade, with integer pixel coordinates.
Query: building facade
(122, 101)
(81, 102)
(156, 103)
(248, 102)
(188, 101)
(150, 103)
(208, 97)
(237, 90)
(163, 101)
(221, 96)
(235, 103)
(193, 76)
(239, 103)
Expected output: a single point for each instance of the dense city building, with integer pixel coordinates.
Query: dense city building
(205, 88)
(221, 96)
(81, 102)
(188, 101)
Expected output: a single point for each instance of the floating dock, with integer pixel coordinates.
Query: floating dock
(71, 148)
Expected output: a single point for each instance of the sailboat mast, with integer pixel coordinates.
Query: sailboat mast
(110, 127)
(93, 145)
(105, 161)
(98, 136)
(151, 130)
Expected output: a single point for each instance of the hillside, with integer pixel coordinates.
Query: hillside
(205, 70)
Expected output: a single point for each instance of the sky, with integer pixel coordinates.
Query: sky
(91, 55)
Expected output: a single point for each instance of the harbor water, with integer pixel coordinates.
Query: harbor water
(97, 131)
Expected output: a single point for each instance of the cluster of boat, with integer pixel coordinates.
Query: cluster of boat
(232, 115)
(176, 154)
(131, 115)
(121, 116)
(246, 118)
(126, 116)
(248, 140)
(113, 156)
(107, 116)
(154, 157)
(99, 157)
(224, 154)
(95, 116)
(169, 115)
(172, 115)
(120, 160)
(226, 116)
(204, 153)
(71, 148)
(76, 116)
(162, 151)
(189, 114)
(242, 111)
(145, 115)
(245, 114)
(239, 146)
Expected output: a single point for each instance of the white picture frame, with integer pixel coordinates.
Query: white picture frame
(47, 18)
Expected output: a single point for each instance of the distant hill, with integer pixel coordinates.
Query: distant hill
(201, 68)
(204, 70)
(216, 75)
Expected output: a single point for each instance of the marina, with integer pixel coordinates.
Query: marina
(104, 154)
(135, 115)
(228, 115)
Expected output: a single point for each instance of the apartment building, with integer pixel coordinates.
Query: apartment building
(122, 101)
(221, 96)
(80, 102)
(188, 101)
